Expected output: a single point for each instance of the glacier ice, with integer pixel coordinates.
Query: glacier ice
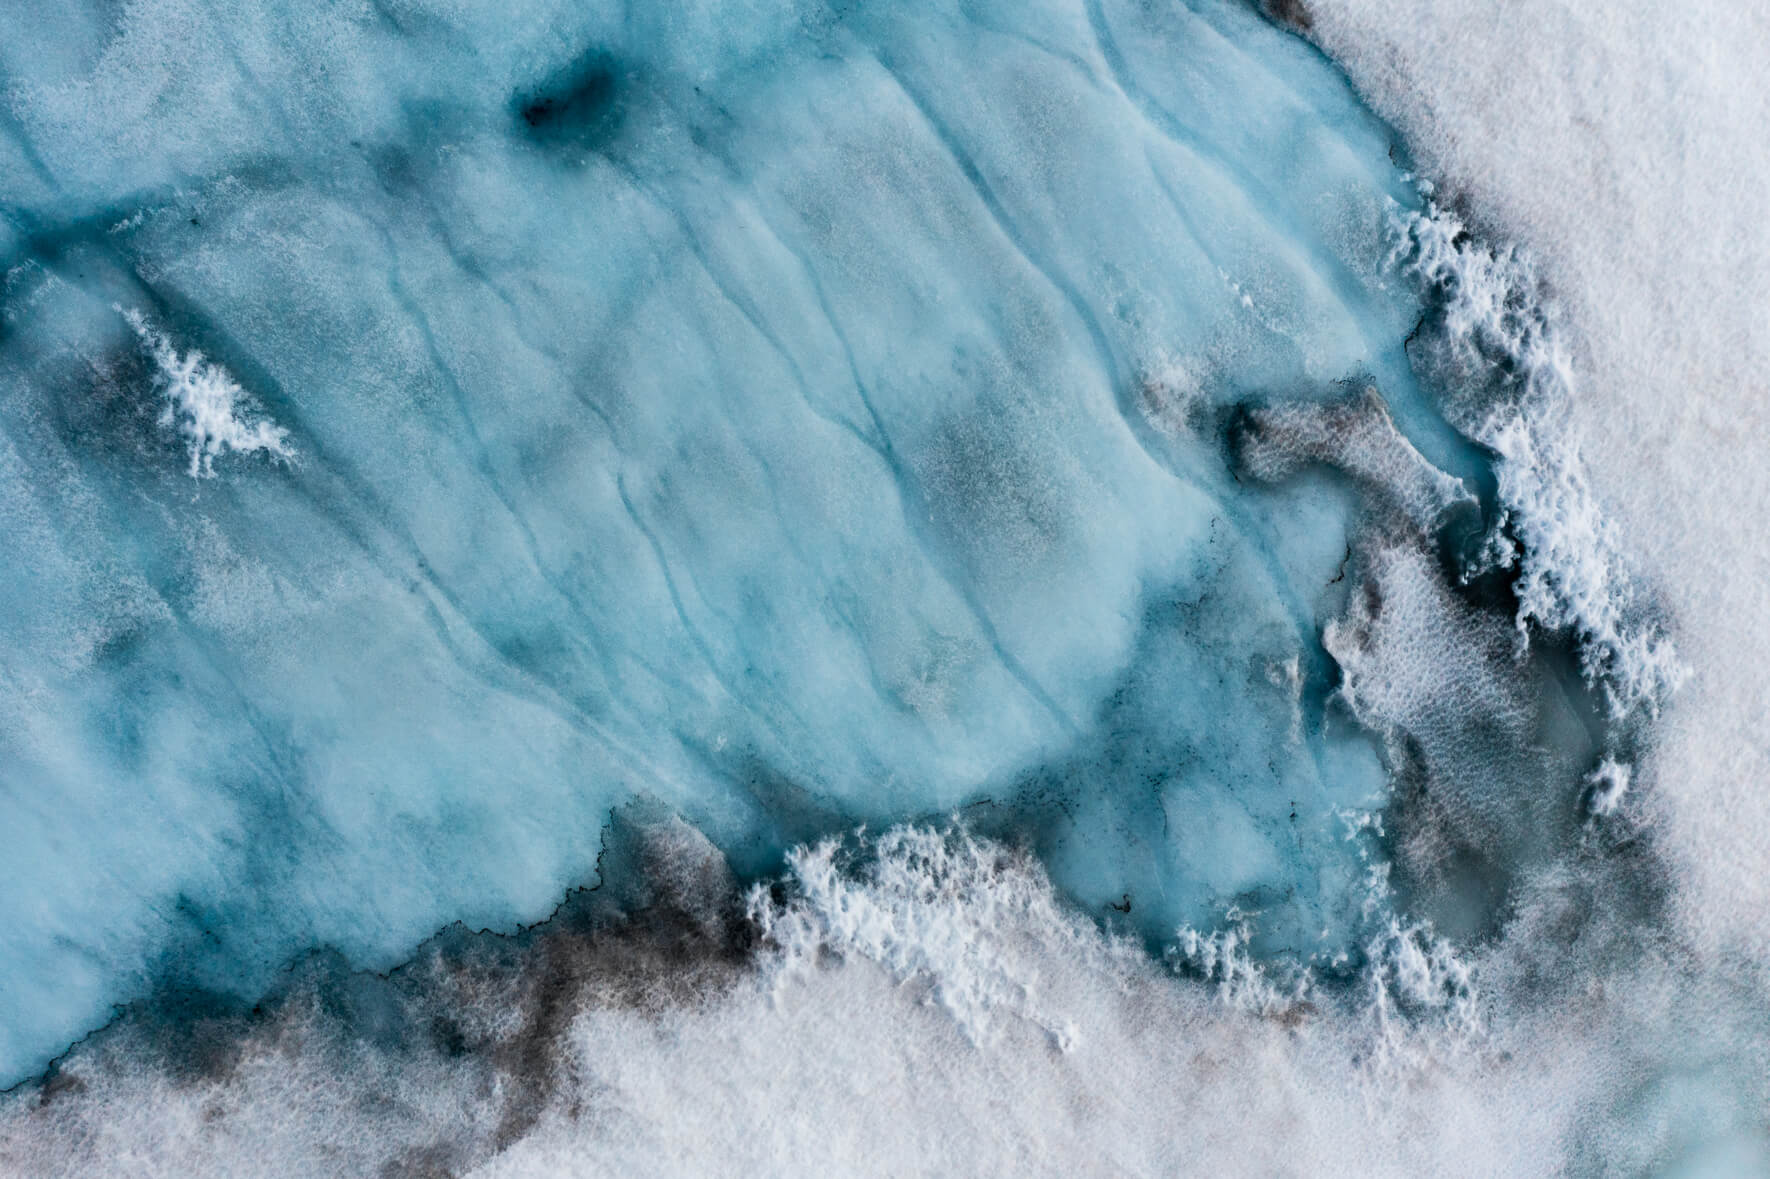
(798, 414)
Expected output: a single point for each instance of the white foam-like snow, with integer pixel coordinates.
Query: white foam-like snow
(847, 1067)
(931, 905)
(1416, 995)
(1609, 785)
(1622, 144)
(204, 404)
(1572, 575)
(850, 1047)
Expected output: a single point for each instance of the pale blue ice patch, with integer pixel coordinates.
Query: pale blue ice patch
(426, 425)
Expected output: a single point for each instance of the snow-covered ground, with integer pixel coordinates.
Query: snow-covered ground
(1623, 145)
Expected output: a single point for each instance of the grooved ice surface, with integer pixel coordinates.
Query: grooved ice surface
(804, 414)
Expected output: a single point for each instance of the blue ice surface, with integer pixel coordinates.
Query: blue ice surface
(803, 414)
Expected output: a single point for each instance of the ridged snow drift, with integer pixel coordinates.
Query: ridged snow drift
(426, 426)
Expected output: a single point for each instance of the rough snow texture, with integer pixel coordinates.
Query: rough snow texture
(646, 1042)
(203, 404)
(1622, 145)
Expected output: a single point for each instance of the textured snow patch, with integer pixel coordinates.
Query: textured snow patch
(968, 917)
(1571, 574)
(203, 404)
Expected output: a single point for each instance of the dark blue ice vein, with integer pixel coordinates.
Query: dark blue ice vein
(692, 241)
(591, 632)
(916, 511)
(915, 507)
(1302, 621)
(1066, 290)
(1074, 61)
(1345, 285)
(741, 699)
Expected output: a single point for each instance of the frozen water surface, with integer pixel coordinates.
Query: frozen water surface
(427, 426)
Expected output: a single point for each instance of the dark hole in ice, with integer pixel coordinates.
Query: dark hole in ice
(1294, 13)
(576, 108)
